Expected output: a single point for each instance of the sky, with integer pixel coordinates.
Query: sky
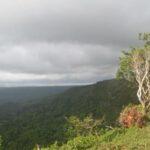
(65, 42)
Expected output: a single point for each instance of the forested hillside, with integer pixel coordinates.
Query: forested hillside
(15, 100)
(23, 94)
(44, 122)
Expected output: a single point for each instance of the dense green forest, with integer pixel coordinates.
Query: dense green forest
(44, 122)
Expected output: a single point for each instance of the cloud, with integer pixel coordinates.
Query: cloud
(62, 42)
(61, 61)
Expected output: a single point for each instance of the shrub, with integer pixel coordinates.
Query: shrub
(132, 115)
(86, 126)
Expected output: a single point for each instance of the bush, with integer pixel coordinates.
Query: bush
(132, 115)
(85, 126)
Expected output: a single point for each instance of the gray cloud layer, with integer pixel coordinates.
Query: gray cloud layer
(66, 42)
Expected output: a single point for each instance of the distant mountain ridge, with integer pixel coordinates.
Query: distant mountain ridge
(20, 94)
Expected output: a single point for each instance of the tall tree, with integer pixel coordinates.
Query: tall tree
(135, 67)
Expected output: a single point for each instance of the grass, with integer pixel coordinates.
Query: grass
(117, 139)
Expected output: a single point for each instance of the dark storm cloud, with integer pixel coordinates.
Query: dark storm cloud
(67, 41)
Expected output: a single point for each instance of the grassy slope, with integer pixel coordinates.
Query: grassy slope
(116, 139)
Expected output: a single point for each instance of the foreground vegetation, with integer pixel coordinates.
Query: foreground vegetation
(90, 134)
(116, 139)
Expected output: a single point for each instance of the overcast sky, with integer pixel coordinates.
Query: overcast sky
(59, 42)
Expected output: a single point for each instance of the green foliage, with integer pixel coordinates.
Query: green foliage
(116, 139)
(78, 143)
(144, 36)
(126, 69)
(86, 126)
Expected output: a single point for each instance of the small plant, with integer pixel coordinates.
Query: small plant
(132, 115)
